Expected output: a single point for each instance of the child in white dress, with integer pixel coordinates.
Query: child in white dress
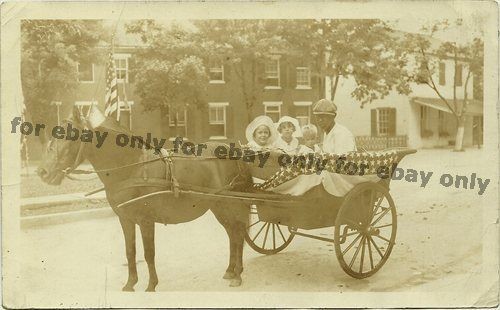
(289, 130)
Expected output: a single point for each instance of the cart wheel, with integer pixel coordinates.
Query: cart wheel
(365, 230)
(265, 237)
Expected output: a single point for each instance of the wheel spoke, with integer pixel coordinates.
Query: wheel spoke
(265, 237)
(378, 205)
(350, 245)
(376, 247)
(382, 226)
(349, 234)
(369, 214)
(274, 237)
(356, 252)
(381, 216)
(281, 233)
(370, 252)
(362, 256)
(385, 239)
(253, 224)
(258, 233)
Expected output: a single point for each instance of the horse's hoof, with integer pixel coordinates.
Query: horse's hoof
(229, 275)
(150, 289)
(127, 288)
(235, 282)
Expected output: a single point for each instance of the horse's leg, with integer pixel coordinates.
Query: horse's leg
(239, 240)
(148, 241)
(229, 274)
(128, 228)
(222, 219)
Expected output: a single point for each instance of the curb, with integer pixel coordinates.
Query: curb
(60, 218)
(61, 199)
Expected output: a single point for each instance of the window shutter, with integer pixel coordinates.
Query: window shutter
(392, 122)
(374, 122)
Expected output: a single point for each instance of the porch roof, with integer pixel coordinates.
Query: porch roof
(474, 107)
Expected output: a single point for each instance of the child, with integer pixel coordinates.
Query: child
(289, 129)
(260, 133)
(310, 139)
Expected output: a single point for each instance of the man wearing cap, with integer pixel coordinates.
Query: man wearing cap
(337, 138)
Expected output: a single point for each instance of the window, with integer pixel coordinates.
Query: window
(303, 78)
(217, 120)
(458, 75)
(303, 112)
(273, 110)
(181, 129)
(442, 123)
(84, 106)
(383, 122)
(216, 73)
(126, 114)
(85, 72)
(181, 118)
(442, 73)
(121, 66)
(424, 118)
(272, 73)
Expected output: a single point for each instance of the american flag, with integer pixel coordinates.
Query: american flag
(334, 164)
(111, 100)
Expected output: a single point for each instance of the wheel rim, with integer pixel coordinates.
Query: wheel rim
(266, 237)
(365, 230)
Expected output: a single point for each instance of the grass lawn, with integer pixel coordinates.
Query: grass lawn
(33, 186)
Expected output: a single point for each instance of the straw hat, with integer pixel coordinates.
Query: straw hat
(258, 121)
(298, 132)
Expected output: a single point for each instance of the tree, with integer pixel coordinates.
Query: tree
(170, 71)
(427, 54)
(50, 52)
(242, 46)
(365, 50)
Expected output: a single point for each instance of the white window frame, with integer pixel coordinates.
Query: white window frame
(78, 74)
(277, 60)
(386, 121)
(171, 123)
(273, 104)
(308, 86)
(216, 105)
(307, 104)
(217, 70)
(81, 104)
(121, 56)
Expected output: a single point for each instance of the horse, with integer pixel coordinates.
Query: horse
(131, 172)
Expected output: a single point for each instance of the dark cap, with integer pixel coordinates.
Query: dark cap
(325, 106)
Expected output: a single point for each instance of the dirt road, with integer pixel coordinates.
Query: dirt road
(439, 238)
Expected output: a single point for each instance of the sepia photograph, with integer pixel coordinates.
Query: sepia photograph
(250, 154)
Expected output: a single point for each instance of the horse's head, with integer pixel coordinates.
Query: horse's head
(62, 155)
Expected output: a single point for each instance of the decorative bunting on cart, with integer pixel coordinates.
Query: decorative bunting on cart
(355, 163)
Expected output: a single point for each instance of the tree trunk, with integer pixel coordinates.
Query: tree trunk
(459, 139)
